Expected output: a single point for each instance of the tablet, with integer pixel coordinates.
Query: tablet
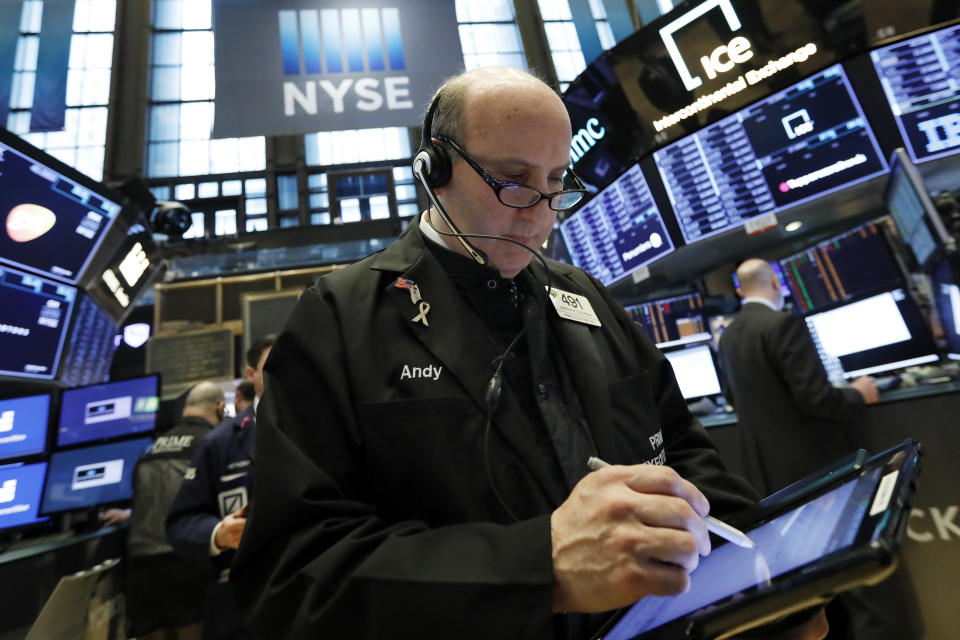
(812, 542)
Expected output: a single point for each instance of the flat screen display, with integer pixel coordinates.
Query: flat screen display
(110, 410)
(20, 489)
(947, 295)
(695, 371)
(796, 145)
(841, 268)
(878, 333)
(51, 223)
(921, 79)
(89, 351)
(618, 231)
(34, 316)
(23, 426)
(913, 212)
(89, 476)
(672, 321)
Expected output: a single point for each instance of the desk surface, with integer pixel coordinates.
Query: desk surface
(44, 544)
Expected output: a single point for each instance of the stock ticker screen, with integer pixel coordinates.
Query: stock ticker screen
(34, 316)
(841, 268)
(798, 144)
(921, 79)
(51, 223)
(672, 321)
(618, 231)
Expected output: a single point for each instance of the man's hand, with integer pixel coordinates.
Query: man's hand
(113, 516)
(625, 533)
(815, 628)
(867, 387)
(231, 528)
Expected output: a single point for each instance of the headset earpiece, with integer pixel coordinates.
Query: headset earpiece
(435, 162)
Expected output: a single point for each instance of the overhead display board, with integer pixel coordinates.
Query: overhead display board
(618, 231)
(798, 144)
(921, 79)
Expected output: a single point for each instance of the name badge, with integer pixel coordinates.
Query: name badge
(571, 306)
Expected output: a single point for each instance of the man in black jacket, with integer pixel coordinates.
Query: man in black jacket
(791, 419)
(165, 593)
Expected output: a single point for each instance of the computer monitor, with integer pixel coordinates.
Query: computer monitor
(843, 267)
(784, 289)
(90, 346)
(914, 213)
(877, 333)
(674, 321)
(618, 231)
(110, 410)
(90, 476)
(34, 316)
(54, 217)
(947, 297)
(21, 486)
(696, 371)
(798, 144)
(23, 426)
(917, 75)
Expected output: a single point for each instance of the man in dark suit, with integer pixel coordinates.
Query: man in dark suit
(791, 418)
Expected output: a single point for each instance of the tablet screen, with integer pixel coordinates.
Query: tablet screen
(793, 539)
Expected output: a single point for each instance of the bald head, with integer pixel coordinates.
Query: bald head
(758, 280)
(205, 400)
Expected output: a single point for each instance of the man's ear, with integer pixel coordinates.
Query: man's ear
(249, 371)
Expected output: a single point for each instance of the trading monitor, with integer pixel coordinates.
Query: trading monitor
(54, 217)
(841, 268)
(878, 333)
(90, 476)
(947, 296)
(21, 486)
(672, 321)
(913, 212)
(89, 351)
(617, 231)
(793, 146)
(919, 80)
(110, 410)
(784, 289)
(23, 426)
(695, 370)
(34, 316)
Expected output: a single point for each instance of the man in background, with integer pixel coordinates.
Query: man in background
(244, 397)
(165, 593)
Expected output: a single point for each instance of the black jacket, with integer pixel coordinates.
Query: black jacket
(373, 516)
(791, 419)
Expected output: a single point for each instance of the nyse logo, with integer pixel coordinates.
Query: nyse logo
(721, 59)
(338, 41)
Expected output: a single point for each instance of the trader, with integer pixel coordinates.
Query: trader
(428, 415)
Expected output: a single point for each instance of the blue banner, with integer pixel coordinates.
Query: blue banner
(50, 90)
(286, 67)
(9, 32)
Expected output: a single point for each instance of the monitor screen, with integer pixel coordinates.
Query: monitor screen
(793, 146)
(34, 316)
(52, 223)
(844, 267)
(21, 486)
(919, 79)
(878, 333)
(108, 410)
(913, 213)
(947, 295)
(672, 321)
(618, 231)
(784, 289)
(695, 371)
(23, 426)
(89, 351)
(89, 476)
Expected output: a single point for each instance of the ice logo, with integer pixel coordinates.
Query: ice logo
(27, 222)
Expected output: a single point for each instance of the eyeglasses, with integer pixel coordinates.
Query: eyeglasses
(521, 196)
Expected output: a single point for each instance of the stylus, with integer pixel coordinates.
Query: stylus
(715, 526)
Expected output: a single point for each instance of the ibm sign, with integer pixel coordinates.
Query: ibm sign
(298, 66)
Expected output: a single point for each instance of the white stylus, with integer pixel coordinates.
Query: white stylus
(718, 527)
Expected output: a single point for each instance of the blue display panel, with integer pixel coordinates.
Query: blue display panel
(672, 321)
(85, 477)
(23, 426)
(34, 316)
(20, 489)
(618, 231)
(90, 349)
(51, 223)
(108, 410)
(947, 297)
(796, 145)
(921, 79)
